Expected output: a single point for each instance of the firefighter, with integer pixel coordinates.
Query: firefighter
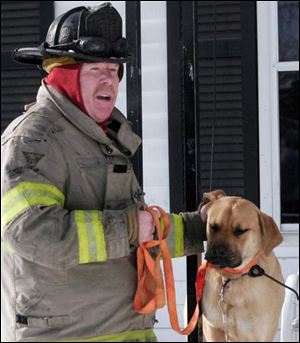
(73, 212)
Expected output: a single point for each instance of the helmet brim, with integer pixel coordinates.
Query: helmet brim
(36, 56)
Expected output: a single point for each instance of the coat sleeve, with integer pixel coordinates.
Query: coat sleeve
(34, 222)
(186, 235)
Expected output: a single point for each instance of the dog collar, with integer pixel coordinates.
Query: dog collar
(236, 270)
(200, 278)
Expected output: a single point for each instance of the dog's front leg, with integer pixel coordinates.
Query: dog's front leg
(211, 333)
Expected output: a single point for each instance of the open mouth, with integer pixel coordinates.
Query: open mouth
(104, 97)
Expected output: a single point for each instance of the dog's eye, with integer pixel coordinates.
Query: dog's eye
(239, 231)
(215, 227)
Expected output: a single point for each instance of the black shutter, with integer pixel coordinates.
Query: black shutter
(212, 102)
(182, 126)
(226, 87)
(134, 80)
(23, 24)
(212, 94)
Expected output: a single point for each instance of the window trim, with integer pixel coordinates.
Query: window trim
(268, 100)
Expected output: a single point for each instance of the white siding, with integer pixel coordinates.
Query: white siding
(155, 140)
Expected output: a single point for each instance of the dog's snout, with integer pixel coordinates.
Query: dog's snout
(218, 253)
(221, 255)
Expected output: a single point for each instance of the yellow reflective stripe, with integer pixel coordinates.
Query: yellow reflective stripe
(179, 235)
(126, 336)
(28, 194)
(91, 240)
(82, 237)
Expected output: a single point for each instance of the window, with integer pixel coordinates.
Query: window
(288, 85)
(278, 72)
(288, 82)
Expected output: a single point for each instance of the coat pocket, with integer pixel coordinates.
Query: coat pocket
(26, 302)
(30, 310)
(118, 193)
(91, 180)
(43, 322)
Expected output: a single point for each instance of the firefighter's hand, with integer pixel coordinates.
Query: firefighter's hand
(146, 226)
(208, 198)
(203, 211)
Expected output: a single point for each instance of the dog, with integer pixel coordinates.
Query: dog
(238, 307)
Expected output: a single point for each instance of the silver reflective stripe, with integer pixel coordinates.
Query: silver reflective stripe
(92, 246)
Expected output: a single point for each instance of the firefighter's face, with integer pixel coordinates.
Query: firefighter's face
(99, 84)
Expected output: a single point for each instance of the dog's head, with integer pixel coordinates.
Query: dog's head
(236, 230)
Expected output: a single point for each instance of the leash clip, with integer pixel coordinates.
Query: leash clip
(255, 271)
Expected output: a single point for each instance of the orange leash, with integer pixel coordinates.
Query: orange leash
(150, 293)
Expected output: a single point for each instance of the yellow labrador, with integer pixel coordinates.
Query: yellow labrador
(238, 307)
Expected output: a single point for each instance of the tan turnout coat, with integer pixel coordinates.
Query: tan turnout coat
(68, 193)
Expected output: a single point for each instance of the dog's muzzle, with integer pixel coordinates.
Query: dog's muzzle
(222, 256)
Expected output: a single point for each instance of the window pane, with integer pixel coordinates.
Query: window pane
(288, 30)
(289, 145)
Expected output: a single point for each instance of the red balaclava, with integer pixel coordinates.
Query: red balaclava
(65, 79)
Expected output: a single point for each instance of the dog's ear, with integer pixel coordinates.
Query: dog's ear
(270, 232)
(208, 198)
(214, 195)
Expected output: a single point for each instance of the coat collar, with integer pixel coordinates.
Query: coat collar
(119, 134)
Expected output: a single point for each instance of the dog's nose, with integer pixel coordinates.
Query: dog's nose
(219, 251)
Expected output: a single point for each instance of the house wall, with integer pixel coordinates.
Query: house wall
(155, 140)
